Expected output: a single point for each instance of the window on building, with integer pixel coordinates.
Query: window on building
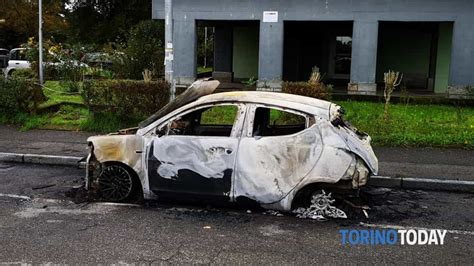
(276, 122)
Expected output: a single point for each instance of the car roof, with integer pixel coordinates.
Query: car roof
(302, 103)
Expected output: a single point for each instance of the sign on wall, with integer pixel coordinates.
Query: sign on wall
(270, 16)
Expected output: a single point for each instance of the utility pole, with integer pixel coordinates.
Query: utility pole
(40, 41)
(169, 76)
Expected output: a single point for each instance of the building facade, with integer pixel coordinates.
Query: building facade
(353, 42)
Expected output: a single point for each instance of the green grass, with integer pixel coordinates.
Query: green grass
(58, 93)
(219, 115)
(408, 125)
(204, 69)
(413, 125)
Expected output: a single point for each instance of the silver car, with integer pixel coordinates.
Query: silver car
(273, 149)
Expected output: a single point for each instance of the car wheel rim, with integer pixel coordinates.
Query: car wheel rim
(115, 183)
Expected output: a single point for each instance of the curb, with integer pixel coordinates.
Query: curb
(376, 181)
(41, 159)
(422, 183)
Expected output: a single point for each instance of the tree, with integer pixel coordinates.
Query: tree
(100, 22)
(144, 49)
(21, 21)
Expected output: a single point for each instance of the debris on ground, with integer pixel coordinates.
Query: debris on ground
(273, 213)
(43, 186)
(320, 209)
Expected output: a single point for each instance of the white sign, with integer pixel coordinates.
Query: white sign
(270, 16)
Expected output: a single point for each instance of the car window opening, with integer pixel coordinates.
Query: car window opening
(274, 122)
(210, 121)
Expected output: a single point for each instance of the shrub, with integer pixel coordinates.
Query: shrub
(314, 87)
(127, 98)
(19, 96)
(307, 89)
(144, 50)
(26, 73)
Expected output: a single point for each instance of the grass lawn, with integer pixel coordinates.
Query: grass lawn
(409, 124)
(413, 125)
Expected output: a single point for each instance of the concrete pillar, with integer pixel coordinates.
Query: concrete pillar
(270, 59)
(461, 76)
(364, 57)
(184, 35)
(223, 53)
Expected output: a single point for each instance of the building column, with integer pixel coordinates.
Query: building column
(461, 75)
(364, 58)
(184, 35)
(270, 58)
(223, 53)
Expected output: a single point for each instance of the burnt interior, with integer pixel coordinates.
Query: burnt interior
(285, 124)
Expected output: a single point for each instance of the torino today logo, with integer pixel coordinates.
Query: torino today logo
(392, 237)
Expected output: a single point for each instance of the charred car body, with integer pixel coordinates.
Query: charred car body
(265, 147)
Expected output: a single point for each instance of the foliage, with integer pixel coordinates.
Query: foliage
(306, 89)
(144, 50)
(19, 96)
(392, 80)
(61, 61)
(147, 75)
(21, 18)
(314, 87)
(101, 22)
(250, 83)
(205, 49)
(26, 73)
(126, 98)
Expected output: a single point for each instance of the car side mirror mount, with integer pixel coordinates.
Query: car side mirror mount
(161, 131)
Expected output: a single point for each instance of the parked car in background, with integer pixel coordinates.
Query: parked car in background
(4, 56)
(17, 60)
(272, 149)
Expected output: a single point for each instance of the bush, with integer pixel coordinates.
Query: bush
(127, 98)
(26, 73)
(144, 50)
(314, 87)
(315, 90)
(19, 96)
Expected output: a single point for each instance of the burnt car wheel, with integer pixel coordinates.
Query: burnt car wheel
(115, 183)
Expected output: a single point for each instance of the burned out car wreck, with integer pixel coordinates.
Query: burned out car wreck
(264, 147)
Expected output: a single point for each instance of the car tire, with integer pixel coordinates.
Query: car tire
(118, 183)
(10, 73)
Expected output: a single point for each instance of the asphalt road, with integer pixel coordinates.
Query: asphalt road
(50, 228)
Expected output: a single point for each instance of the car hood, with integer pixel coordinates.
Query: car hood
(198, 89)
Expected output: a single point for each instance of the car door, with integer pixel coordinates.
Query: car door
(194, 152)
(18, 59)
(278, 148)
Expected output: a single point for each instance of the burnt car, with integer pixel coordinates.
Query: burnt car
(268, 148)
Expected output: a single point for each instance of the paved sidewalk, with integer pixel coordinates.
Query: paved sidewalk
(48, 142)
(451, 164)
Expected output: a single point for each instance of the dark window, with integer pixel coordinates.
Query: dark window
(275, 122)
(208, 121)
